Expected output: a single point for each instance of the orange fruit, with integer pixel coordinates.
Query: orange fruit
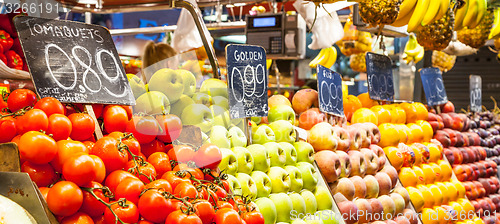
(416, 133)
(363, 115)
(407, 177)
(403, 131)
(427, 130)
(398, 115)
(429, 216)
(478, 220)
(383, 115)
(418, 155)
(410, 111)
(437, 171)
(422, 112)
(459, 210)
(394, 156)
(436, 192)
(351, 104)
(426, 192)
(452, 191)
(444, 191)
(435, 153)
(430, 176)
(365, 100)
(420, 175)
(446, 170)
(389, 136)
(416, 198)
(468, 208)
(443, 216)
(460, 188)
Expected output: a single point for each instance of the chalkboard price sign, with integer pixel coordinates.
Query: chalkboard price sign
(330, 91)
(73, 62)
(379, 76)
(475, 87)
(432, 81)
(246, 81)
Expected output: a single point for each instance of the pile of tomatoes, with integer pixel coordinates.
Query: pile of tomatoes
(134, 174)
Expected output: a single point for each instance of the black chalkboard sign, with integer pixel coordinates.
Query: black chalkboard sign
(432, 81)
(73, 62)
(330, 91)
(379, 76)
(475, 89)
(246, 81)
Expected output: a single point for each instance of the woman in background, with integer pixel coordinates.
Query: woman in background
(157, 56)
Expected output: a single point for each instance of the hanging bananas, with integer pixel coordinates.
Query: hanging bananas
(326, 58)
(418, 13)
(495, 31)
(471, 14)
(413, 51)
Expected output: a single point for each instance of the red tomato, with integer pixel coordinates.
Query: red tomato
(175, 180)
(182, 153)
(205, 211)
(224, 204)
(129, 111)
(97, 108)
(90, 204)
(44, 191)
(50, 106)
(8, 129)
(65, 150)
(128, 214)
(178, 217)
(130, 189)
(208, 195)
(116, 177)
(37, 147)
(42, 174)
(220, 192)
(64, 198)
(89, 145)
(194, 172)
(80, 169)
(133, 146)
(78, 218)
(20, 98)
(152, 147)
(227, 215)
(208, 156)
(107, 149)
(3, 104)
(115, 118)
(144, 222)
(100, 168)
(186, 190)
(147, 172)
(154, 207)
(170, 127)
(16, 140)
(59, 127)
(162, 184)
(161, 163)
(82, 126)
(99, 220)
(254, 217)
(225, 185)
(145, 129)
(33, 120)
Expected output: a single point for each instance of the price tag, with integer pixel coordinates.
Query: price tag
(432, 81)
(475, 87)
(330, 91)
(246, 81)
(379, 76)
(73, 62)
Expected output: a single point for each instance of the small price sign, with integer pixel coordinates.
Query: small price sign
(330, 91)
(475, 88)
(246, 81)
(379, 77)
(432, 81)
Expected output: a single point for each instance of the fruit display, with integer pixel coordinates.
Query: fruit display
(326, 57)
(476, 37)
(379, 13)
(471, 14)
(419, 13)
(413, 52)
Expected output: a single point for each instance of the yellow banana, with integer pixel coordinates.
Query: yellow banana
(318, 57)
(481, 11)
(420, 55)
(404, 20)
(418, 15)
(406, 8)
(460, 15)
(331, 58)
(412, 47)
(431, 12)
(495, 31)
(470, 17)
(445, 5)
(328, 54)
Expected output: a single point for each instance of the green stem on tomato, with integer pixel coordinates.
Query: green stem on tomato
(121, 202)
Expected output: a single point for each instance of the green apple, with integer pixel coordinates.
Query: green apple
(281, 112)
(237, 137)
(296, 183)
(263, 134)
(309, 175)
(220, 137)
(229, 163)
(248, 187)
(280, 179)
(168, 82)
(245, 160)
(137, 85)
(257, 120)
(290, 152)
(221, 101)
(262, 161)
(214, 87)
(268, 209)
(254, 126)
(198, 115)
(284, 131)
(299, 205)
(202, 98)
(221, 116)
(298, 221)
(283, 205)
(329, 216)
(310, 200)
(238, 123)
(153, 102)
(188, 80)
(234, 184)
(313, 220)
(323, 198)
(305, 152)
(263, 182)
(179, 106)
(276, 153)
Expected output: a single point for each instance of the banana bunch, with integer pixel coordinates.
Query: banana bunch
(495, 31)
(418, 13)
(471, 14)
(326, 58)
(413, 51)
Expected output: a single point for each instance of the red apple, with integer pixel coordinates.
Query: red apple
(447, 107)
(344, 140)
(311, 117)
(304, 99)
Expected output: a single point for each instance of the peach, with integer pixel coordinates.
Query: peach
(364, 210)
(359, 186)
(393, 174)
(384, 182)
